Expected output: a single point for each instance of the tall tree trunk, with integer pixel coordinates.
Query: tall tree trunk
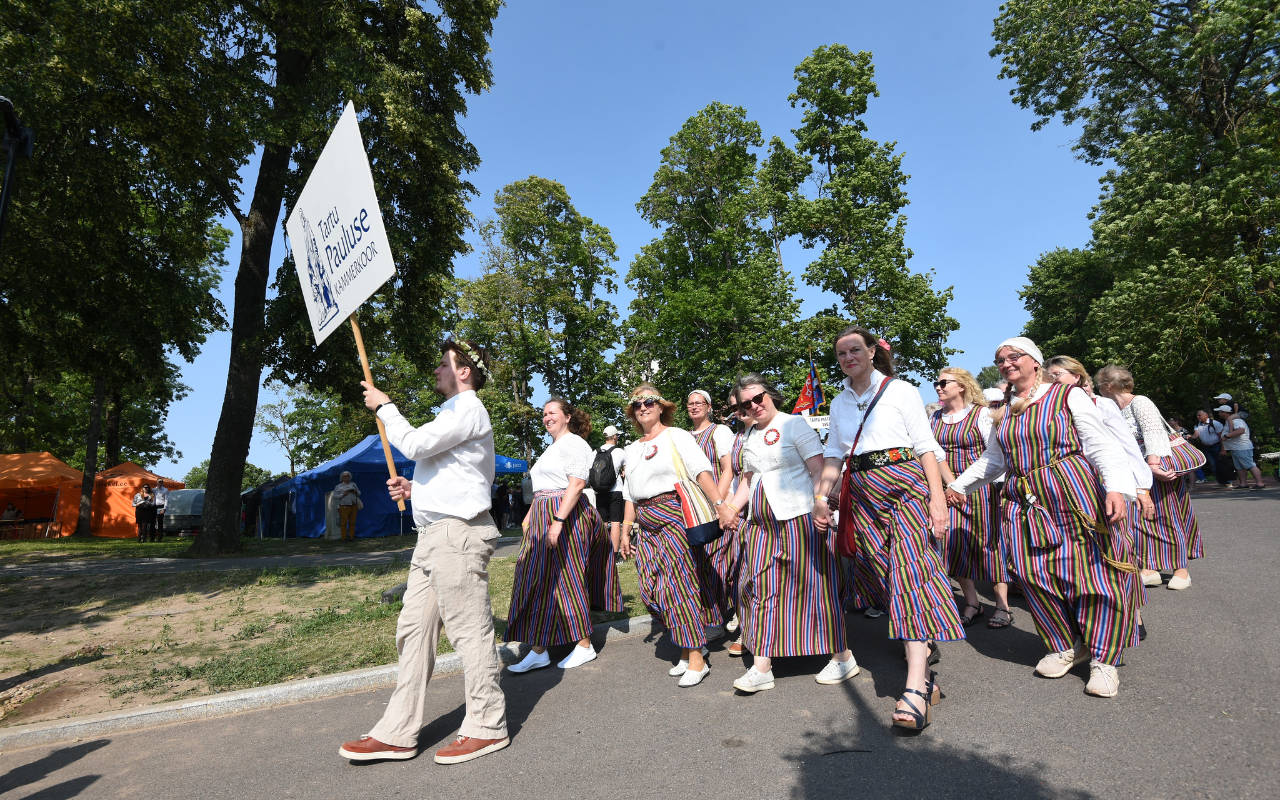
(1267, 379)
(112, 435)
(22, 442)
(85, 522)
(220, 532)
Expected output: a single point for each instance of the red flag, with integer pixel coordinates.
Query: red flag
(806, 402)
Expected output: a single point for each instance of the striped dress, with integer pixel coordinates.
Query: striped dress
(973, 543)
(789, 585)
(1077, 574)
(550, 602)
(670, 585)
(718, 560)
(1170, 540)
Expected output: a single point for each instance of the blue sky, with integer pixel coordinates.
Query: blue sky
(588, 93)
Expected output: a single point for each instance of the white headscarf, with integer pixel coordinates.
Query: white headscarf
(1025, 345)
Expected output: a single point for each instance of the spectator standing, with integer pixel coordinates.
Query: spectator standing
(161, 495)
(610, 503)
(348, 495)
(1236, 442)
(1207, 435)
(144, 512)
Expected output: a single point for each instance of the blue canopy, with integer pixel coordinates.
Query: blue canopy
(305, 493)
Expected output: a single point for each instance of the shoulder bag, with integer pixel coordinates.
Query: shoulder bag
(701, 524)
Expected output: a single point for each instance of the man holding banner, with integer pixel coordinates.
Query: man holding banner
(448, 576)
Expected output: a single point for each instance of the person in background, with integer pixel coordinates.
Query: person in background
(144, 512)
(611, 503)
(11, 513)
(348, 495)
(161, 495)
(1207, 435)
(718, 560)
(1236, 442)
(500, 506)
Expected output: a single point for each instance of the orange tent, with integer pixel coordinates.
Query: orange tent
(44, 489)
(113, 498)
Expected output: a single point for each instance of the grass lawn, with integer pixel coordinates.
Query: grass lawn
(85, 645)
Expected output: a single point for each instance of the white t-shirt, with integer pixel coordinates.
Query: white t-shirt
(1241, 442)
(1120, 429)
(1209, 433)
(567, 457)
(650, 470)
(898, 420)
(775, 455)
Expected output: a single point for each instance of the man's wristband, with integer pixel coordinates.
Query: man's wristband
(379, 406)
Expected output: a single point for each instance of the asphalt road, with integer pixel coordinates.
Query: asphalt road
(1196, 717)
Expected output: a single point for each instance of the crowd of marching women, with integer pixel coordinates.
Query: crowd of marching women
(1066, 486)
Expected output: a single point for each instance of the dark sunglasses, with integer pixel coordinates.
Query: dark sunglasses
(758, 400)
(731, 408)
(942, 383)
(647, 403)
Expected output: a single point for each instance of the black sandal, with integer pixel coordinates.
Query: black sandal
(920, 719)
(931, 690)
(997, 621)
(968, 619)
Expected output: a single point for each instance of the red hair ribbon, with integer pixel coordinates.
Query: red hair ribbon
(885, 345)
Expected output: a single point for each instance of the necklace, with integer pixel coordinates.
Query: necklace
(862, 404)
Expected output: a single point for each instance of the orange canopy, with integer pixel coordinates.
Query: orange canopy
(113, 498)
(43, 488)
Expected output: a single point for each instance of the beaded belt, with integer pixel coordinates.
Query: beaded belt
(880, 458)
(657, 498)
(548, 493)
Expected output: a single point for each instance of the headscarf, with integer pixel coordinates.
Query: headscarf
(1025, 345)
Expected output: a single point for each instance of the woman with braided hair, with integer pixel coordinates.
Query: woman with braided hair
(1063, 518)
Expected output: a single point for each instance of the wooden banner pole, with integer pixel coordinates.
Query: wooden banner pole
(382, 430)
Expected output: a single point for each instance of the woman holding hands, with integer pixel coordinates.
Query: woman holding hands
(789, 579)
(670, 583)
(891, 503)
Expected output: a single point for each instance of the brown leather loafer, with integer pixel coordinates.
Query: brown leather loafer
(465, 748)
(367, 748)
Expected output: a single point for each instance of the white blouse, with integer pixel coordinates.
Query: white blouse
(650, 469)
(1120, 429)
(1099, 446)
(775, 456)
(567, 457)
(722, 437)
(898, 420)
(984, 420)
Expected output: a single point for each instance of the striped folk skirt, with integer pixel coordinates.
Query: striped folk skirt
(972, 548)
(718, 570)
(896, 567)
(671, 585)
(604, 590)
(790, 586)
(550, 604)
(1170, 540)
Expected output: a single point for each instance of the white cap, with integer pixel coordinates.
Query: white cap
(993, 395)
(1025, 345)
(1223, 408)
(610, 432)
(1223, 396)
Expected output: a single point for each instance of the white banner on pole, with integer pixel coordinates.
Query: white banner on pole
(339, 244)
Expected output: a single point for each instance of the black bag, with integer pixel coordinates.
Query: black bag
(602, 476)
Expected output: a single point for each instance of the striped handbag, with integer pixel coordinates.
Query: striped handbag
(701, 524)
(1186, 457)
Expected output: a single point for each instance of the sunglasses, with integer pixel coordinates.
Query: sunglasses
(941, 384)
(758, 400)
(732, 408)
(648, 402)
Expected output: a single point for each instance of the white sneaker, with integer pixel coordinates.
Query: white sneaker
(1103, 680)
(531, 662)
(837, 672)
(1055, 665)
(753, 681)
(1178, 584)
(577, 657)
(693, 678)
(682, 666)
(1151, 579)
(732, 625)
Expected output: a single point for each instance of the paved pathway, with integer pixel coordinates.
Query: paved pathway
(1196, 717)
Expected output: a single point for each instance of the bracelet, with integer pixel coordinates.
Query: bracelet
(719, 502)
(817, 496)
(557, 519)
(379, 406)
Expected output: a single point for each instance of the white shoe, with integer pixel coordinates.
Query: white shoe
(1151, 579)
(691, 678)
(1055, 665)
(837, 672)
(732, 625)
(577, 657)
(531, 662)
(1178, 584)
(753, 681)
(682, 666)
(1103, 680)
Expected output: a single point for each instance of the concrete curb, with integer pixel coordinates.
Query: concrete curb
(97, 725)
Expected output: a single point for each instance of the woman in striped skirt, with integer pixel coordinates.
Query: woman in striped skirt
(1063, 518)
(1167, 542)
(550, 601)
(789, 579)
(973, 549)
(891, 503)
(670, 584)
(718, 559)
(728, 483)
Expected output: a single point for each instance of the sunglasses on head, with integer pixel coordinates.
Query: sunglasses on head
(648, 402)
(941, 384)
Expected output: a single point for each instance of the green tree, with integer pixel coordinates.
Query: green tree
(854, 211)
(1180, 97)
(988, 377)
(542, 304)
(712, 299)
(198, 476)
(1062, 288)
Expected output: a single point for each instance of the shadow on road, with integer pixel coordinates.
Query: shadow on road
(28, 774)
